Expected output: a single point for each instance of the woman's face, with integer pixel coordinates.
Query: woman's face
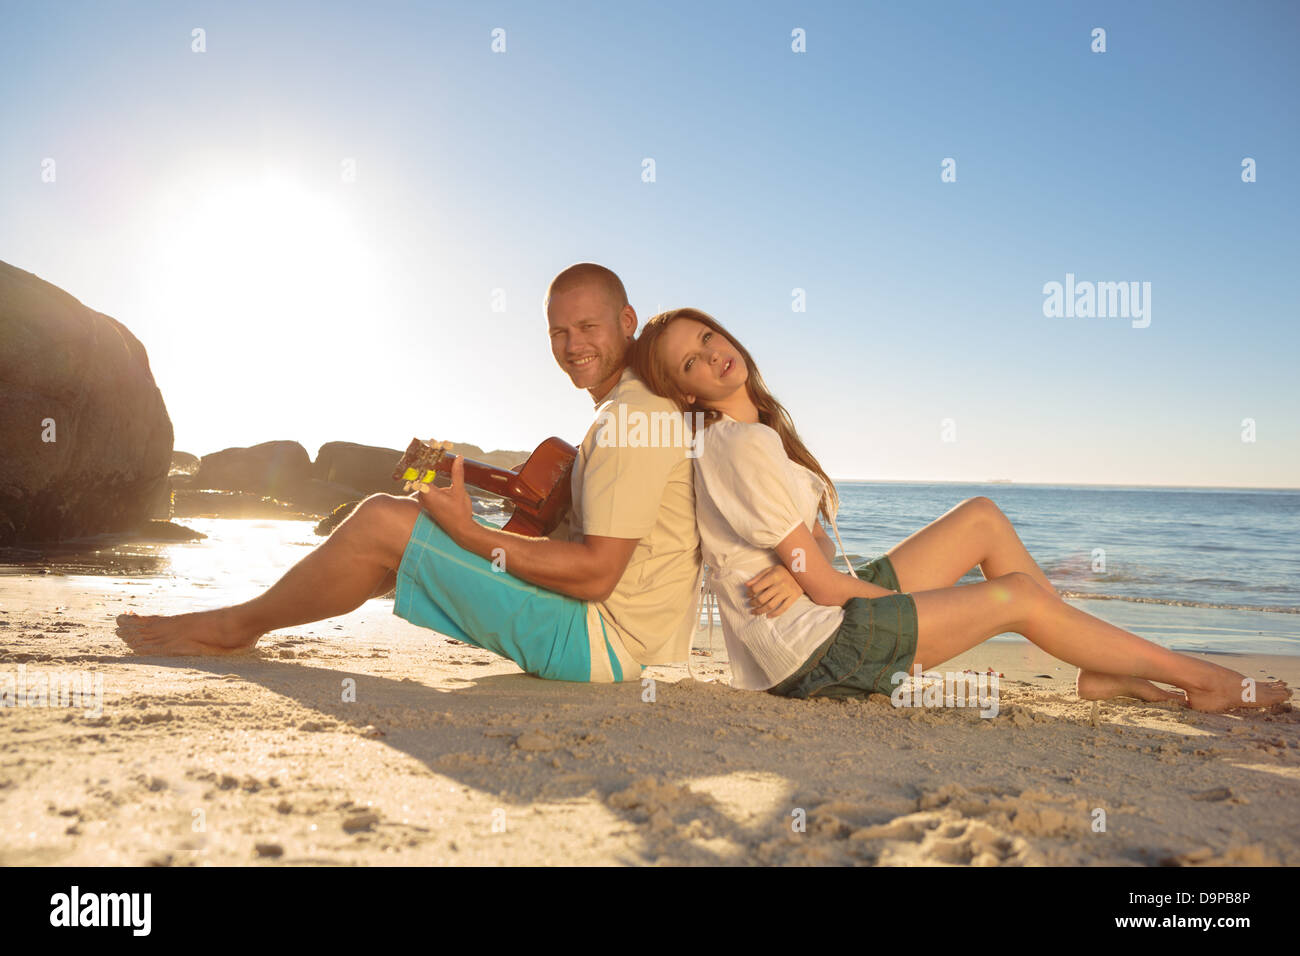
(700, 362)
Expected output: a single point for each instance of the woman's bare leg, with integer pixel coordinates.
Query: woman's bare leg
(977, 532)
(352, 565)
(953, 620)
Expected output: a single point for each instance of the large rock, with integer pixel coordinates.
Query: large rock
(369, 468)
(184, 463)
(276, 479)
(277, 469)
(501, 459)
(79, 377)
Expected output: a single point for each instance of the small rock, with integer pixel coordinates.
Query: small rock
(535, 740)
(361, 821)
(370, 730)
(1215, 795)
(1191, 858)
(268, 849)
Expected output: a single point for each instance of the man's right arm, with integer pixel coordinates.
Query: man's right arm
(588, 569)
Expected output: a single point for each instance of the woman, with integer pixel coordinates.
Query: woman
(815, 631)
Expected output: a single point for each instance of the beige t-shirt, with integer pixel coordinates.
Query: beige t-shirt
(633, 478)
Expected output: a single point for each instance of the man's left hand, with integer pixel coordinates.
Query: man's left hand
(450, 507)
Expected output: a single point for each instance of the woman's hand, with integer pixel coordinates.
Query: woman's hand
(824, 585)
(773, 592)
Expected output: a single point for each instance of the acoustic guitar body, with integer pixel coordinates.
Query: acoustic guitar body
(539, 489)
(544, 478)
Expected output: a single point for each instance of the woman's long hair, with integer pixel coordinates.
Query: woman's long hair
(649, 365)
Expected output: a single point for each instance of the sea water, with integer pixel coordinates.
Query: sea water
(1191, 568)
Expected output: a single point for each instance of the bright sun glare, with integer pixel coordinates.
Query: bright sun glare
(264, 256)
(255, 288)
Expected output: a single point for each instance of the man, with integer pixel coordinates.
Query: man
(608, 594)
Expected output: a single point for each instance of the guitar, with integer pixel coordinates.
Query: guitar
(539, 488)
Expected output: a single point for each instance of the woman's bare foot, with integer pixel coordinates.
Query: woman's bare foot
(1227, 690)
(201, 632)
(1094, 685)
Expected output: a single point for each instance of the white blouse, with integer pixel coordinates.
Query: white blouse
(749, 496)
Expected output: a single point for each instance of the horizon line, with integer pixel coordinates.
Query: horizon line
(1050, 484)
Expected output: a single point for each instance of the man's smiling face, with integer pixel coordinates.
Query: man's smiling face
(590, 336)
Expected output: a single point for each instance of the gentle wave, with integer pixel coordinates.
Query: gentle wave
(1172, 602)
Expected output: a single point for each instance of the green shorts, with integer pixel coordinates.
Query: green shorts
(442, 586)
(876, 639)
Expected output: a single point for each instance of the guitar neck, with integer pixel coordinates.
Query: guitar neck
(499, 481)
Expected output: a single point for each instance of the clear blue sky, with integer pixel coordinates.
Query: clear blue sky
(199, 199)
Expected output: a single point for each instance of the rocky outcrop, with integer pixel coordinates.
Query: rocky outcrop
(184, 463)
(168, 531)
(85, 439)
(369, 468)
(501, 459)
(276, 469)
(274, 477)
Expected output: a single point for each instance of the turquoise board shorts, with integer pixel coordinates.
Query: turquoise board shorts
(442, 586)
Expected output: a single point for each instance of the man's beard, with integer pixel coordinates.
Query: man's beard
(605, 367)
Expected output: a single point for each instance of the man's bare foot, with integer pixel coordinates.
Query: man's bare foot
(1094, 685)
(201, 632)
(1227, 690)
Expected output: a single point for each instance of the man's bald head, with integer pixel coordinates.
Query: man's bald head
(591, 326)
(584, 274)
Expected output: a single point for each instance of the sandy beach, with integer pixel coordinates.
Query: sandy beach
(450, 755)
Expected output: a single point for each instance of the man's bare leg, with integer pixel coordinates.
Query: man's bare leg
(352, 565)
